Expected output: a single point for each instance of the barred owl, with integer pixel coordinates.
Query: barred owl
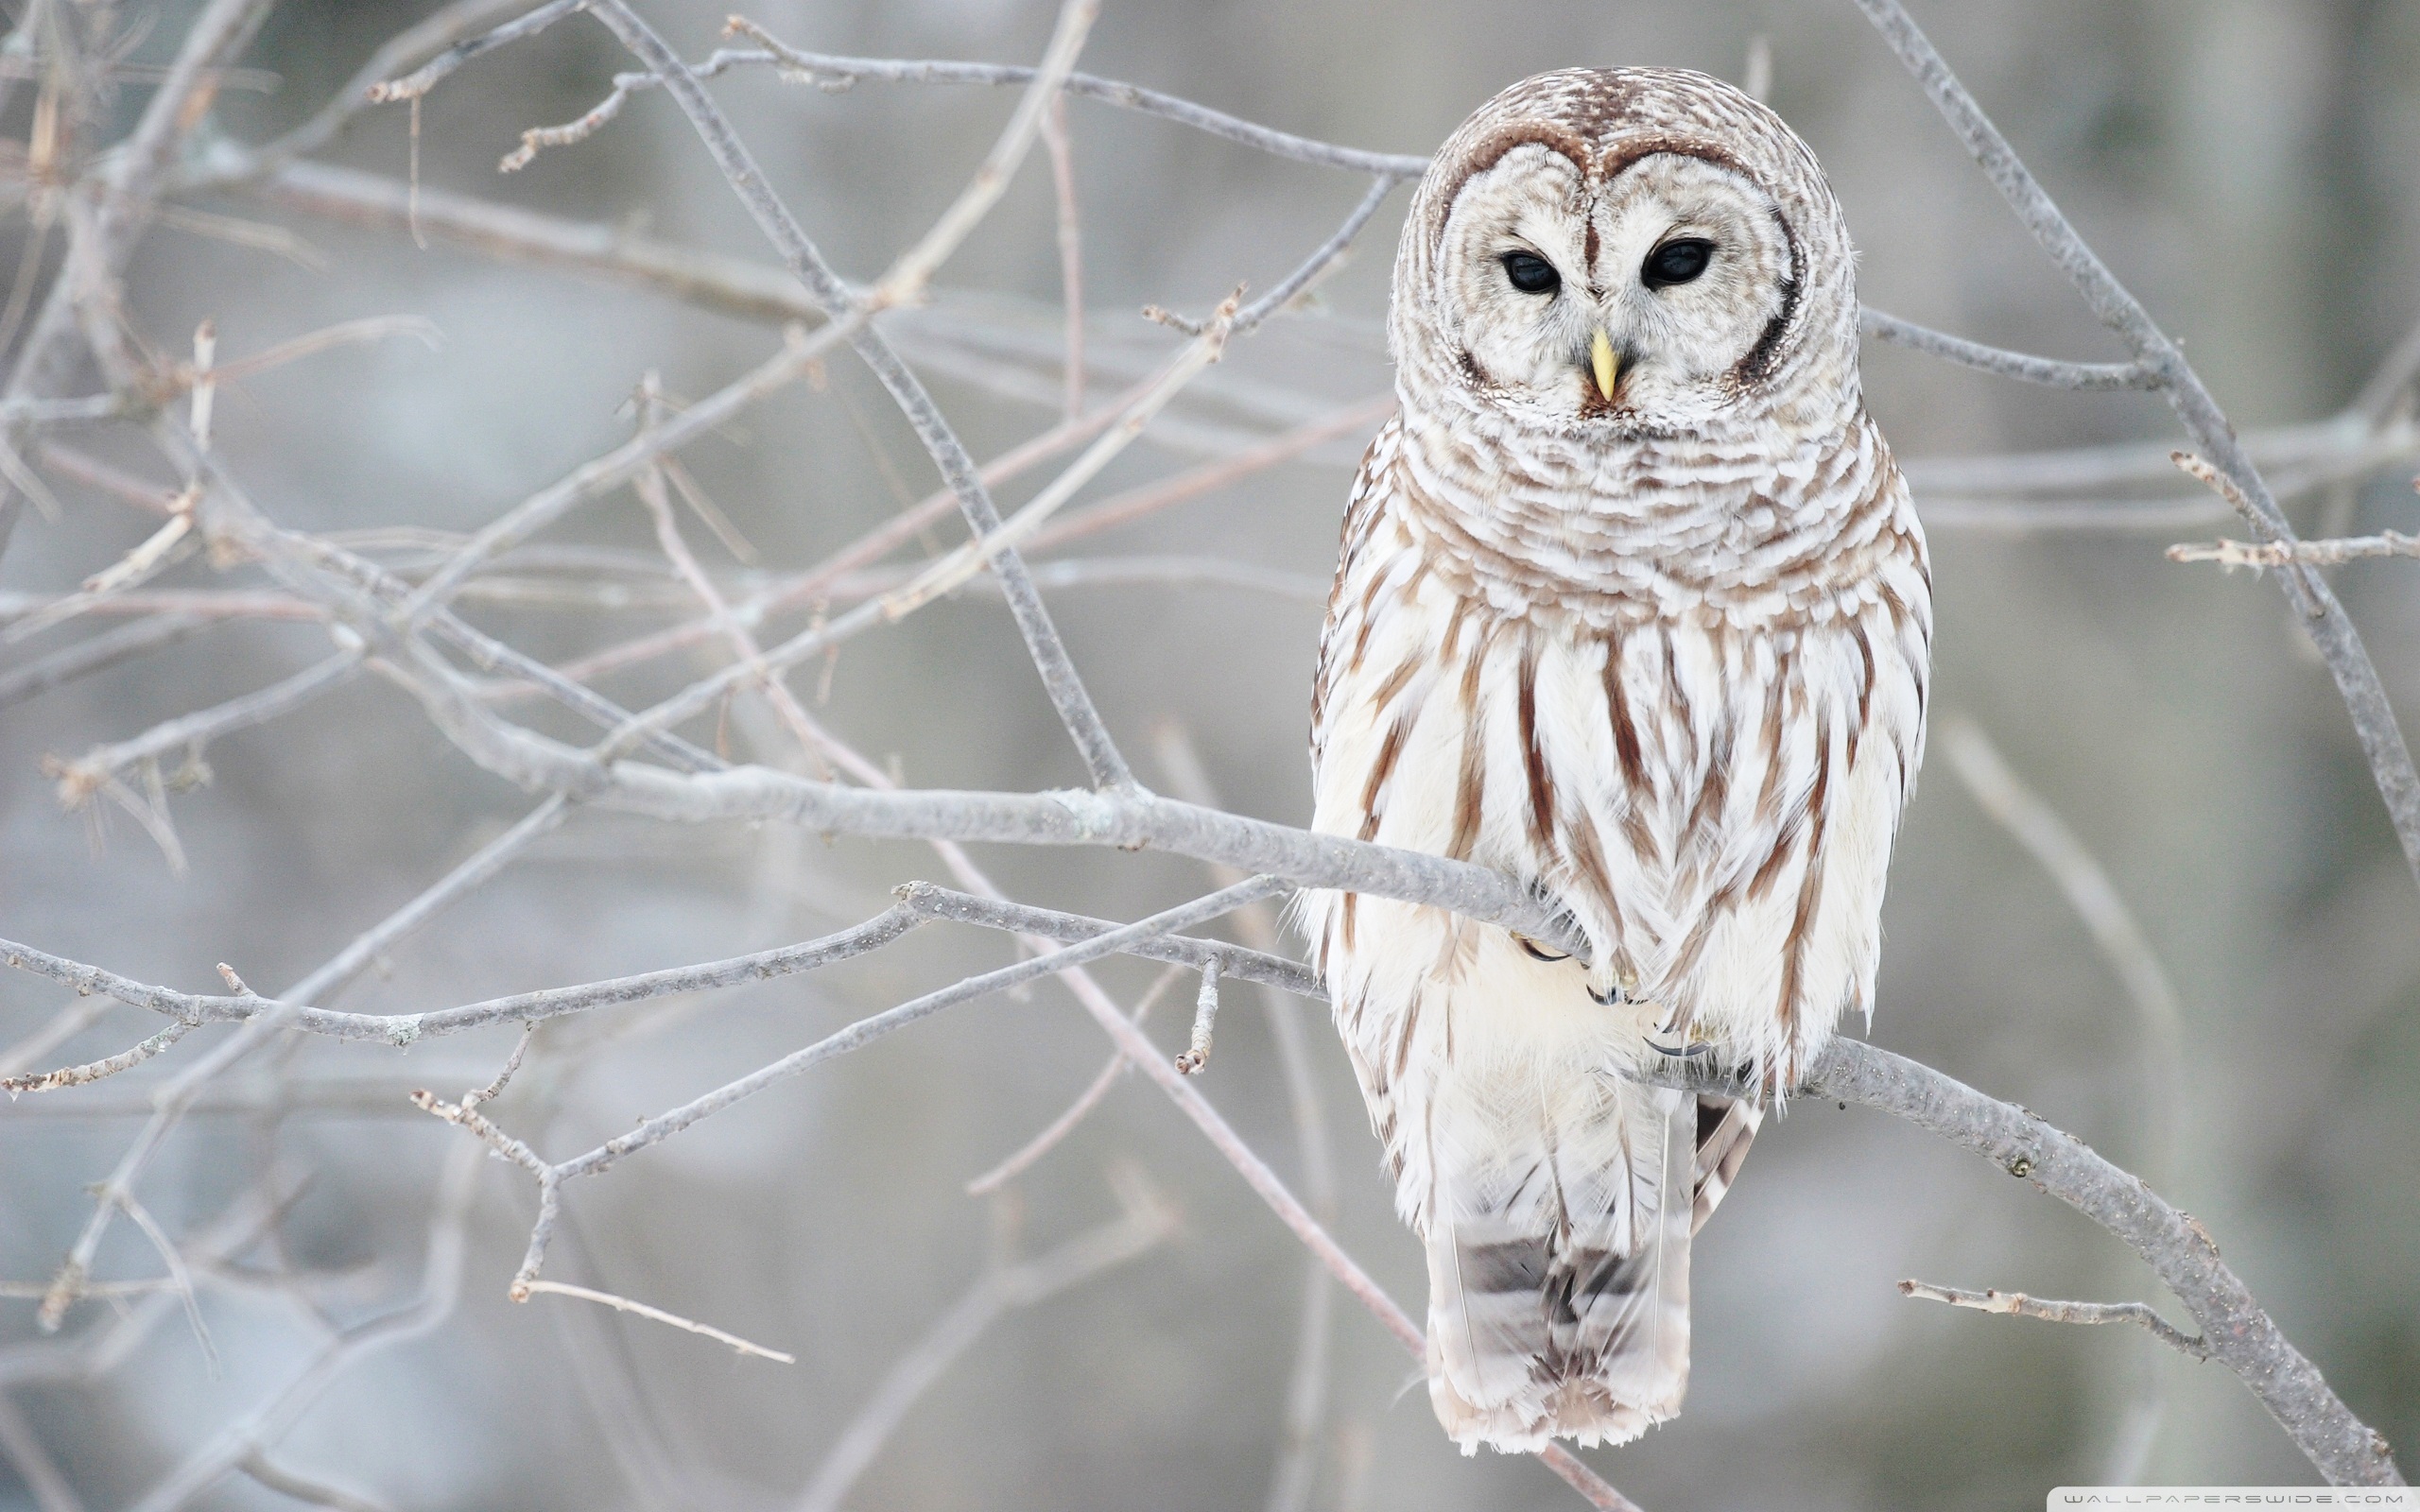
(1633, 606)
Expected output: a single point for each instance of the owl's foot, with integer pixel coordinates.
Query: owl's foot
(1538, 953)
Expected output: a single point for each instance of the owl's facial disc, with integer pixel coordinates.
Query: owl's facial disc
(1645, 303)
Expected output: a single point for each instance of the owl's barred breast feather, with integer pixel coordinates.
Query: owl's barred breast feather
(1674, 678)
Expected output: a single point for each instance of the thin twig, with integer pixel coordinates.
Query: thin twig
(304, 1488)
(2071, 864)
(1148, 1222)
(623, 1304)
(2017, 365)
(903, 282)
(2260, 555)
(1071, 246)
(93, 1071)
(417, 84)
(1056, 1130)
(822, 67)
(2017, 1304)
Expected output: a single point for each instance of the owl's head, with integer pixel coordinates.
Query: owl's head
(1627, 252)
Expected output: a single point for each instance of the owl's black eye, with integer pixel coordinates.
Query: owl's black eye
(1531, 273)
(1676, 262)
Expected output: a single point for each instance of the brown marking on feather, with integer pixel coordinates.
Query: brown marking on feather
(1757, 364)
(1490, 150)
(1811, 885)
(1770, 734)
(1864, 688)
(1785, 841)
(1470, 782)
(1626, 746)
(1403, 1039)
(1588, 860)
(1542, 817)
(1639, 788)
(1892, 605)
(1368, 619)
(1344, 911)
(1395, 680)
(1714, 790)
(1452, 635)
(1677, 697)
(1390, 751)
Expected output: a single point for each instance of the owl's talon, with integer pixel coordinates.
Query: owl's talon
(1606, 999)
(1538, 951)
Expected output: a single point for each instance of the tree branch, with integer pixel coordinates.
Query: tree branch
(2017, 1304)
(2330, 628)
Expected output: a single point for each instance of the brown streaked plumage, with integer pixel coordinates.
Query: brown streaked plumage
(1634, 606)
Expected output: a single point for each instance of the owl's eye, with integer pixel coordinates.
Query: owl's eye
(1531, 273)
(1676, 262)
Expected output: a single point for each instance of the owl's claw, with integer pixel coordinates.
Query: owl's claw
(1538, 951)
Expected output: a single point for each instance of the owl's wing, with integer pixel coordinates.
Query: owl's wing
(1346, 617)
(1726, 1125)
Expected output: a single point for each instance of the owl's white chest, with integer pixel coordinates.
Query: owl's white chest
(1715, 805)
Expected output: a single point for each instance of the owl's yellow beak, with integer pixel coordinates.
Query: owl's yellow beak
(1602, 361)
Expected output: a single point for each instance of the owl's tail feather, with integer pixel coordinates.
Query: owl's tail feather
(1559, 1274)
(1726, 1125)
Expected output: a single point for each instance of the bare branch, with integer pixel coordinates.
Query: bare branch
(400, 1029)
(2017, 1304)
(1148, 1222)
(285, 1482)
(2017, 365)
(623, 1304)
(830, 69)
(2095, 898)
(178, 1277)
(447, 25)
(128, 184)
(2232, 553)
(2242, 1337)
(253, 1431)
(417, 84)
(79, 778)
(93, 1071)
(1066, 689)
(905, 281)
(1071, 245)
(799, 353)
(1059, 1128)
(1205, 1019)
(968, 559)
(2330, 628)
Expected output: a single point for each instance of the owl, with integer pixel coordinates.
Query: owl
(1632, 607)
